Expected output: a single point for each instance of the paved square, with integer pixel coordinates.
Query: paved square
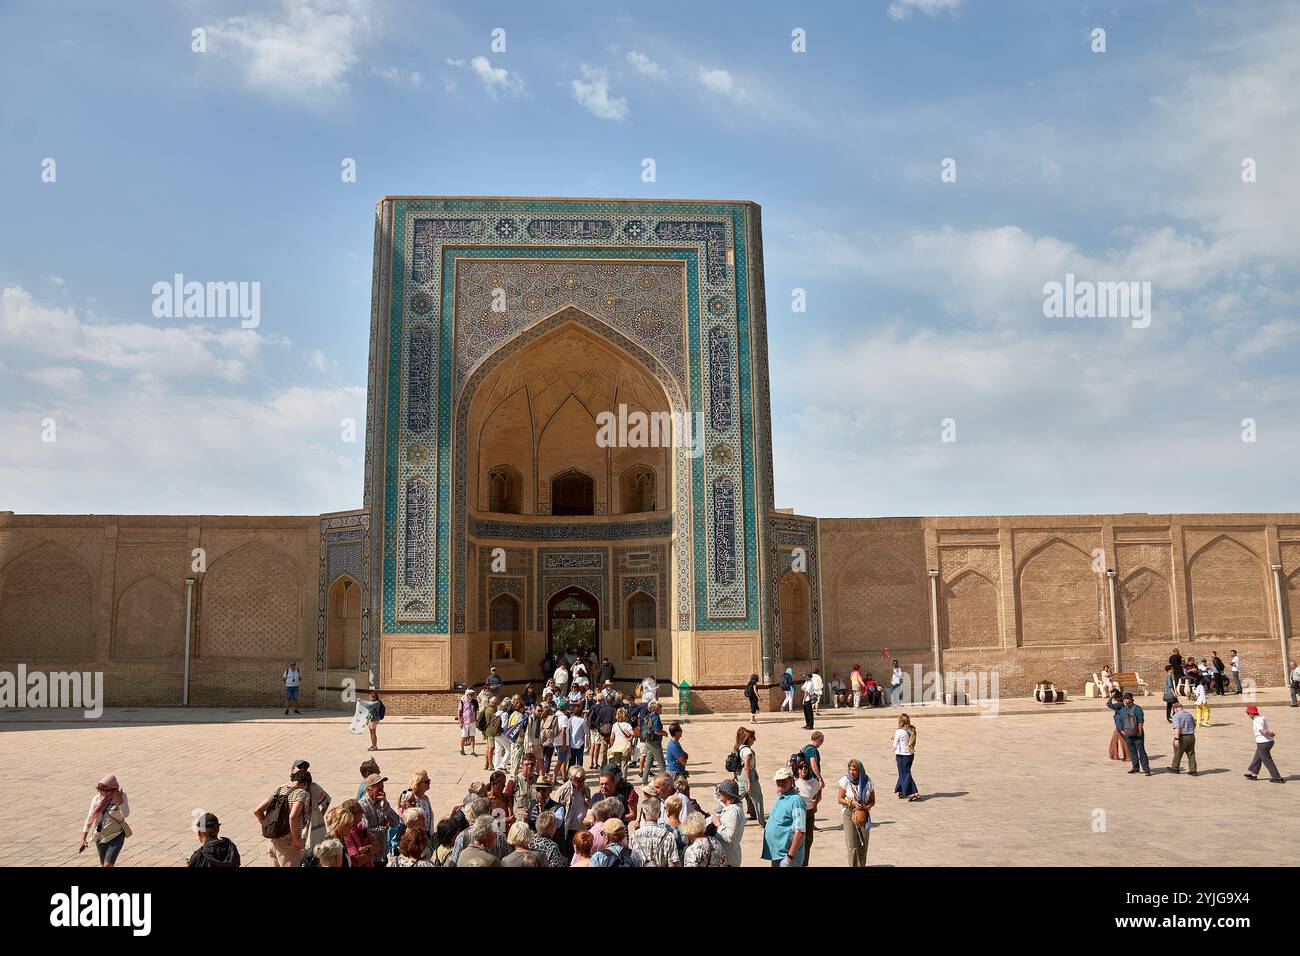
(1029, 787)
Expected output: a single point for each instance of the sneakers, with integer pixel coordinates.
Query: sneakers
(1147, 772)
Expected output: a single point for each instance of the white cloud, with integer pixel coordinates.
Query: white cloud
(56, 280)
(167, 351)
(399, 76)
(592, 93)
(307, 48)
(204, 445)
(58, 377)
(322, 363)
(721, 82)
(902, 9)
(645, 66)
(498, 81)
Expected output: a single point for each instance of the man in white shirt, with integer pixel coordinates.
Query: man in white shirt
(808, 699)
(561, 678)
(819, 688)
(292, 682)
(896, 686)
(1294, 681)
(1263, 748)
(1236, 672)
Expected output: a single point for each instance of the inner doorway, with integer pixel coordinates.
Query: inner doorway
(573, 624)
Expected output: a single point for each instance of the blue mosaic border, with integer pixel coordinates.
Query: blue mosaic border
(400, 274)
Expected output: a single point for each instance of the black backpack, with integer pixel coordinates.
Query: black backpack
(623, 858)
(482, 721)
(275, 823)
(377, 712)
(733, 763)
(787, 682)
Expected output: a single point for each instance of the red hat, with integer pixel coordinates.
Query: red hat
(1252, 710)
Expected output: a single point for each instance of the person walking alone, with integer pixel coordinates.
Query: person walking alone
(751, 695)
(787, 688)
(747, 783)
(107, 821)
(1202, 706)
(1184, 740)
(1171, 692)
(809, 700)
(856, 798)
(904, 753)
(1264, 738)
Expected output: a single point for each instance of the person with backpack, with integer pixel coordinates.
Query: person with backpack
(1132, 724)
(283, 817)
(751, 695)
(318, 802)
(374, 714)
(787, 688)
(1219, 668)
(616, 851)
(742, 764)
(904, 753)
(489, 721)
(652, 735)
(214, 849)
(467, 716)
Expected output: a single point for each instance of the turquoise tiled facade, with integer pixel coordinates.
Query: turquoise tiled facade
(415, 439)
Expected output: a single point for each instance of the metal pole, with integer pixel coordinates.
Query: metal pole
(934, 633)
(1281, 626)
(1111, 575)
(189, 615)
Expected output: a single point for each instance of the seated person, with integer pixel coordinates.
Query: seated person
(839, 693)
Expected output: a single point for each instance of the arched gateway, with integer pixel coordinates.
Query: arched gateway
(567, 443)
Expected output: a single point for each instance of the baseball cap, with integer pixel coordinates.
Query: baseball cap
(1128, 695)
(782, 774)
(1252, 710)
(373, 779)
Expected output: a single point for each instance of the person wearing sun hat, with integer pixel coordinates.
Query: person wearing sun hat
(1263, 747)
(729, 821)
(783, 835)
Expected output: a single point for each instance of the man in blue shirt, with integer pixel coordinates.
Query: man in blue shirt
(1131, 725)
(677, 757)
(783, 835)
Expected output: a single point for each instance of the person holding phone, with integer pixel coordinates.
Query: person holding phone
(107, 821)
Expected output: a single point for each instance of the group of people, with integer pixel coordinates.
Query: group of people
(1187, 679)
(567, 722)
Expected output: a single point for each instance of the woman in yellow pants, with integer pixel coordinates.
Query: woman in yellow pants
(1202, 706)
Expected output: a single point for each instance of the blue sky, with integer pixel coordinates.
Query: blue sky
(924, 297)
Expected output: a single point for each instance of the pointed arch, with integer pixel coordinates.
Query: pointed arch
(969, 615)
(148, 620)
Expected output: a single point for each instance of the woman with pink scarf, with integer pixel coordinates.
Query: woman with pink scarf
(107, 821)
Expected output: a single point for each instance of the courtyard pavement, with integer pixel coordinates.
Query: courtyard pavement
(1031, 786)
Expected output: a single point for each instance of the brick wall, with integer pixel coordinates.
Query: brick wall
(107, 593)
(1027, 598)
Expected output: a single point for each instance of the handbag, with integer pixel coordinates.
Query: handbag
(859, 816)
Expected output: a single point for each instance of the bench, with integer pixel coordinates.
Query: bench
(1131, 681)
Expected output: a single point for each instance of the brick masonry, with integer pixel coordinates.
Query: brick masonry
(1018, 597)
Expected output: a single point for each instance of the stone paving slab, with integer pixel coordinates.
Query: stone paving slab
(1031, 791)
